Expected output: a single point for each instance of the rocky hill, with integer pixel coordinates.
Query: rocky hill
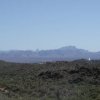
(76, 80)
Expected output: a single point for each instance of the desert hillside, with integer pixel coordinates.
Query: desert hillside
(76, 80)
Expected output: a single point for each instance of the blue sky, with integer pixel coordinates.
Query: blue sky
(49, 24)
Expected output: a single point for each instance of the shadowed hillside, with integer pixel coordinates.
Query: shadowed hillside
(77, 80)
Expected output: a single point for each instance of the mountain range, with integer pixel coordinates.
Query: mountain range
(67, 53)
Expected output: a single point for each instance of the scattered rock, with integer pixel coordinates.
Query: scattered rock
(76, 80)
(50, 75)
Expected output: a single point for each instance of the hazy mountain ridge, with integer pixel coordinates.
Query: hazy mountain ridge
(64, 53)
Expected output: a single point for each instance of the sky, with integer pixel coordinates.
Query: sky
(49, 24)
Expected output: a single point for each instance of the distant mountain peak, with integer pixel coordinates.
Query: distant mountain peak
(68, 47)
(61, 54)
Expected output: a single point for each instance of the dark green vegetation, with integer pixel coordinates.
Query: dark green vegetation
(77, 80)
